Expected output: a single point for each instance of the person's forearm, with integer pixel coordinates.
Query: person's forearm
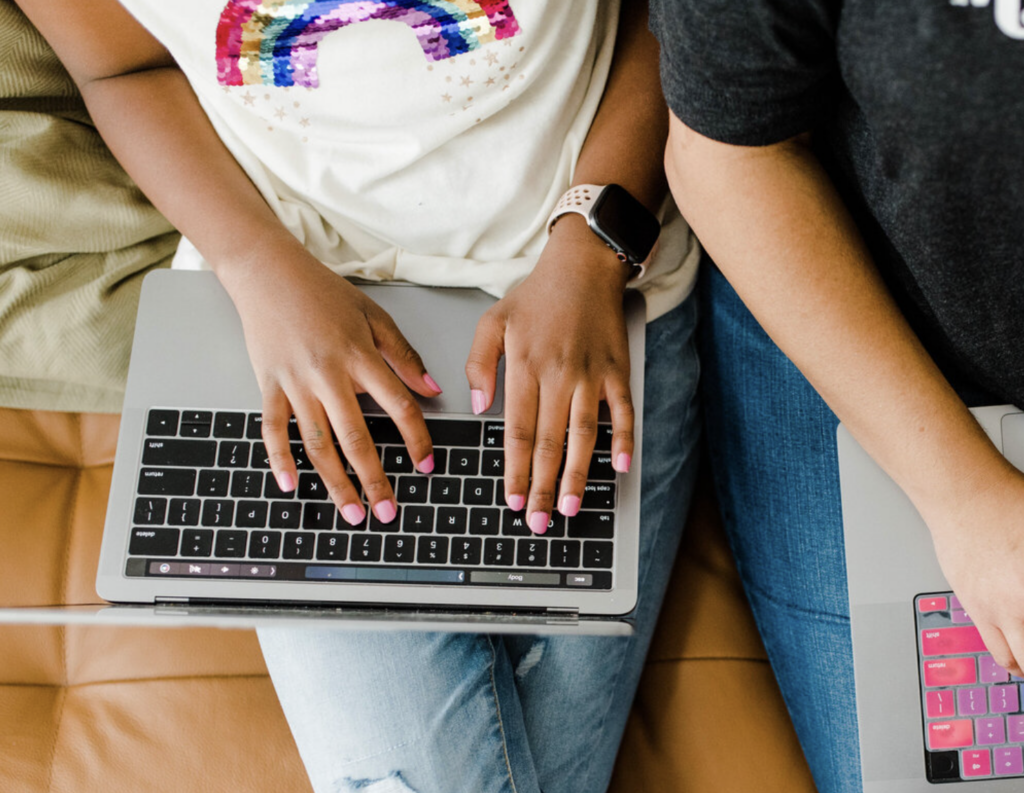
(775, 225)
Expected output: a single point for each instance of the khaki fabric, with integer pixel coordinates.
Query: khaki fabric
(76, 238)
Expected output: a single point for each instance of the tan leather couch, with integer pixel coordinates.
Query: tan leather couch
(152, 710)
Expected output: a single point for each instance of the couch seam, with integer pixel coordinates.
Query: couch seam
(651, 661)
(56, 736)
(124, 680)
(82, 466)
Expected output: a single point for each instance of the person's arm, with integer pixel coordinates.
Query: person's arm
(775, 225)
(313, 344)
(562, 331)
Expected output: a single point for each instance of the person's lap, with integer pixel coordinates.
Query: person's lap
(405, 711)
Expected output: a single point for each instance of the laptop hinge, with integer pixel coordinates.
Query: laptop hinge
(178, 600)
(563, 614)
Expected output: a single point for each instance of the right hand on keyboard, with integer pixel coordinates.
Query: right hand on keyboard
(316, 341)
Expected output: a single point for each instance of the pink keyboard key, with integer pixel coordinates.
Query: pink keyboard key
(959, 615)
(991, 672)
(976, 763)
(1003, 699)
(950, 672)
(940, 704)
(1015, 726)
(950, 734)
(1008, 761)
(990, 732)
(951, 641)
(924, 605)
(954, 602)
(971, 701)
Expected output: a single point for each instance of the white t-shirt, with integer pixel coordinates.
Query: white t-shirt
(421, 140)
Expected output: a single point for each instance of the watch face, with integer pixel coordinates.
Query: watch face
(624, 223)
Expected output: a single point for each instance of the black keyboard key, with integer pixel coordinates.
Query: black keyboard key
(377, 525)
(197, 417)
(532, 553)
(513, 524)
(344, 525)
(229, 425)
(592, 525)
(264, 545)
(299, 545)
(254, 427)
(556, 525)
(285, 514)
(412, 489)
(599, 495)
(399, 549)
(601, 468)
(302, 462)
(183, 512)
(231, 543)
(366, 548)
(247, 484)
(432, 550)
(213, 483)
(565, 553)
(464, 462)
(271, 490)
(293, 429)
(196, 543)
(451, 520)
(478, 492)
(604, 438)
(233, 454)
(484, 521)
(494, 435)
(172, 451)
(418, 520)
(466, 550)
(493, 463)
(440, 461)
(332, 547)
(311, 486)
(167, 482)
(318, 515)
(943, 766)
(218, 512)
(251, 514)
(194, 430)
(499, 551)
(454, 432)
(383, 430)
(150, 511)
(597, 554)
(396, 460)
(153, 542)
(260, 458)
(162, 422)
(444, 490)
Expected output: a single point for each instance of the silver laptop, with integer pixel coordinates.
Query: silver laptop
(196, 529)
(932, 705)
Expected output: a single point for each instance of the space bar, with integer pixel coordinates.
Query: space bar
(384, 574)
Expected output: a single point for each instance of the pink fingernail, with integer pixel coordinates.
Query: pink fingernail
(285, 482)
(570, 506)
(432, 383)
(354, 514)
(516, 503)
(622, 463)
(539, 522)
(426, 465)
(478, 401)
(385, 511)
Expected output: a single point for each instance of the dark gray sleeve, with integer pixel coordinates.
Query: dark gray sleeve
(747, 72)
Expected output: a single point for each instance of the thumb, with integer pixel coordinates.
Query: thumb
(400, 355)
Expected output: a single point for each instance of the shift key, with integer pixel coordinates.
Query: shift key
(167, 451)
(951, 641)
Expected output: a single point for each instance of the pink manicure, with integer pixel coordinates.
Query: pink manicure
(570, 506)
(354, 514)
(622, 463)
(432, 383)
(385, 511)
(285, 482)
(478, 401)
(539, 522)
(516, 503)
(426, 465)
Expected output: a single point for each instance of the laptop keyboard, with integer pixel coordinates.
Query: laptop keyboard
(973, 722)
(208, 506)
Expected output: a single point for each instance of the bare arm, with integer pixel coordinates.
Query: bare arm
(775, 225)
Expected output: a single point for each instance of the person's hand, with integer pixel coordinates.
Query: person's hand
(316, 341)
(563, 334)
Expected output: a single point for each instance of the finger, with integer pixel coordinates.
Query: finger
(548, 445)
(620, 404)
(521, 393)
(347, 419)
(387, 390)
(1014, 636)
(277, 411)
(998, 647)
(315, 429)
(482, 363)
(583, 418)
(400, 355)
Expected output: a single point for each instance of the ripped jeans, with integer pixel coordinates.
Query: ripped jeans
(401, 712)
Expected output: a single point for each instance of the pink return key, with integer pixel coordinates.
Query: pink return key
(950, 672)
(951, 641)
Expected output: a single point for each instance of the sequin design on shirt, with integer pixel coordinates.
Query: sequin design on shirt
(274, 42)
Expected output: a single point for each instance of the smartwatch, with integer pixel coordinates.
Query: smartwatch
(619, 220)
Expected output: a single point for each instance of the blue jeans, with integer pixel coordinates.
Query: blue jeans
(444, 713)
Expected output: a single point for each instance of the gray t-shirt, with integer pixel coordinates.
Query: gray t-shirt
(918, 112)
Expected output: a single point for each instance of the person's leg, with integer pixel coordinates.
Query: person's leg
(772, 444)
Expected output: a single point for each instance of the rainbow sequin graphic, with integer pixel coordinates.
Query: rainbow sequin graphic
(274, 42)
